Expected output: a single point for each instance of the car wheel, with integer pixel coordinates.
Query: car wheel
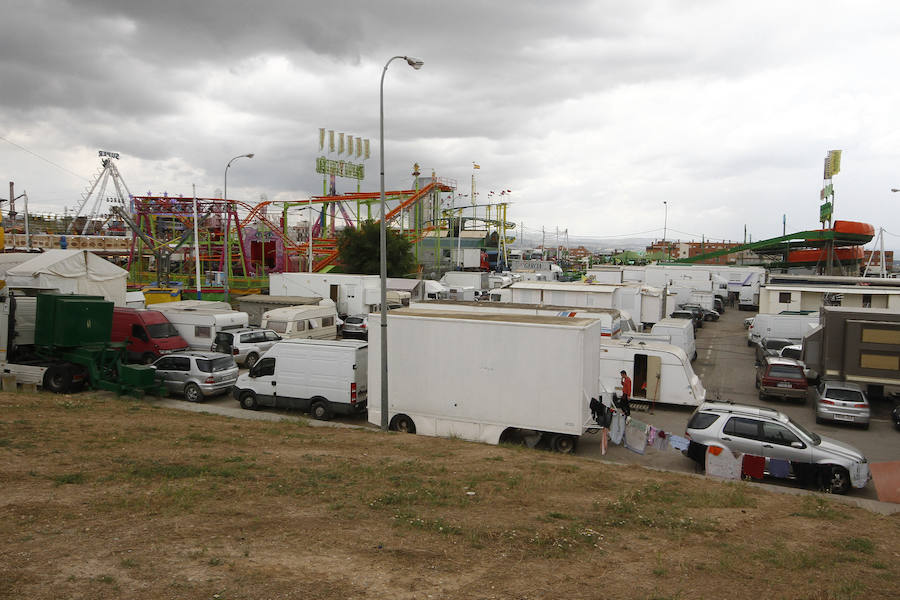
(251, 360)
(248, 400)
(320, 410)
(819, 420)
(192, 393)
(403, 424)
(865, 425)
(148, 358)
(835, 480)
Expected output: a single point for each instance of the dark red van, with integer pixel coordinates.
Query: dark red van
(148, 333)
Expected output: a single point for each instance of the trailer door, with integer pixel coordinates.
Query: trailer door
(646, 380)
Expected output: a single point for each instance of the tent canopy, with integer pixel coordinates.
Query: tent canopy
(71, 272)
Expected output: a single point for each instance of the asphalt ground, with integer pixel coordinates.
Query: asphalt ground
(725, 365)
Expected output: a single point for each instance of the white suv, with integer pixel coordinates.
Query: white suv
(830, 464)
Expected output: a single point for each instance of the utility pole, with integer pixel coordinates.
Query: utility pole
(543, 242)
(557, 243)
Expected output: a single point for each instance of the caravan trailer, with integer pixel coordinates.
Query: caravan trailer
(660, 373)
(199, 326)
(297, 322)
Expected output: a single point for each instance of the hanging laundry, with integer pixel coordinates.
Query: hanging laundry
(859, 475)
(604, 440)
(661, 442)
(721, 462)
(753, 466)
(636, 435)
(779, 468)
(651, 436)
(617, 428)
(676, 442)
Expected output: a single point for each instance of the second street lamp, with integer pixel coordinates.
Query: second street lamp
(415, 63)
(227, 239)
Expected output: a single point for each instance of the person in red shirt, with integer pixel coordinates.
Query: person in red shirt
(626, 392)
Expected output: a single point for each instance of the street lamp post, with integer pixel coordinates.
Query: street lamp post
(415, 64)
(228, 226)
(665, 225)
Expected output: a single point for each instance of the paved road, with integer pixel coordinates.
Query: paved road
(725, 365)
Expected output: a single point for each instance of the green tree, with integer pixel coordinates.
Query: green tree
(359, 250)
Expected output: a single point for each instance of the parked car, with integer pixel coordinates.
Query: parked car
(795, 351)
(759, 431)
(197, 374)
(706, 314)
(770, 347)
(685, 314)
(356, 326)
(844, 402)
(781, 378)
(246, 345)
(696, 311)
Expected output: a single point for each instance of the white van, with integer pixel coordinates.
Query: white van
(324, 377)
(680, 332)
(791, 326)
(199, 326)
(302, 322)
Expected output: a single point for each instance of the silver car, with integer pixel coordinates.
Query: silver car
(356, 326)
(196, 374)
(758, 431)
(246, 345)
(840, 402)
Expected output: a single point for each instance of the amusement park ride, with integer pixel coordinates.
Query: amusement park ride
(242, 242)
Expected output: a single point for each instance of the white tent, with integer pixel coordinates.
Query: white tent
(71, 272)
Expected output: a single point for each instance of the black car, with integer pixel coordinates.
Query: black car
(705, 313)
(696, 311)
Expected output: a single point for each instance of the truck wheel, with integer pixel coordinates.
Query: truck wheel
(564, 444)
(251, 360)
(148, 358)
(835, 480)
(403, 424)
(192, 393)
(320, 410)
(58, 378)
(248, 400)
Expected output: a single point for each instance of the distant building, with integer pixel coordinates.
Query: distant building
(678, 249)
(875, 257)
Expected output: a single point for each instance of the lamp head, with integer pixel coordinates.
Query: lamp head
(249, 155)
(415, 63)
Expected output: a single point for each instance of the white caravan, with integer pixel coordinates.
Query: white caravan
(199, 326)
(474, 376)
(302, 322)
(660, 373)
(324, 377)
(678, 332)
(352, 294)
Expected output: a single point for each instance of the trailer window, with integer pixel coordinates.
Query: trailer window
(279, 326)
(784, 297)
(202, 331)
(327, 321)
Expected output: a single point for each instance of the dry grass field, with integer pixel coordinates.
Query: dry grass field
(106, 497)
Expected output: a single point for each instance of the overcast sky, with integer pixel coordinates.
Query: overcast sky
(592, 113)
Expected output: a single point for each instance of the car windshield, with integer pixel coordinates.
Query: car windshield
(791, 353)
(160, 331)
(815, 439)
(354, 320)
(786, 372)
(224, 337)
(777, 344)
(215, 365)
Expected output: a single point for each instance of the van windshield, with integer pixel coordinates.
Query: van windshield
(159, 331)
(215, 365)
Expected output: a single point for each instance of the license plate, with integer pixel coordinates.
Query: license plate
(843, 418)
(784, 384)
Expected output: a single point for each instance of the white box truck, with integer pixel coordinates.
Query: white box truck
(324, 377)
(352, 294)
(199, 326)
(474, 376)
(680, 333)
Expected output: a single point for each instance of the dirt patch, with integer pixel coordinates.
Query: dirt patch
(112, 498)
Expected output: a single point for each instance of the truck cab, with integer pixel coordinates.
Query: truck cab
(149, 334)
